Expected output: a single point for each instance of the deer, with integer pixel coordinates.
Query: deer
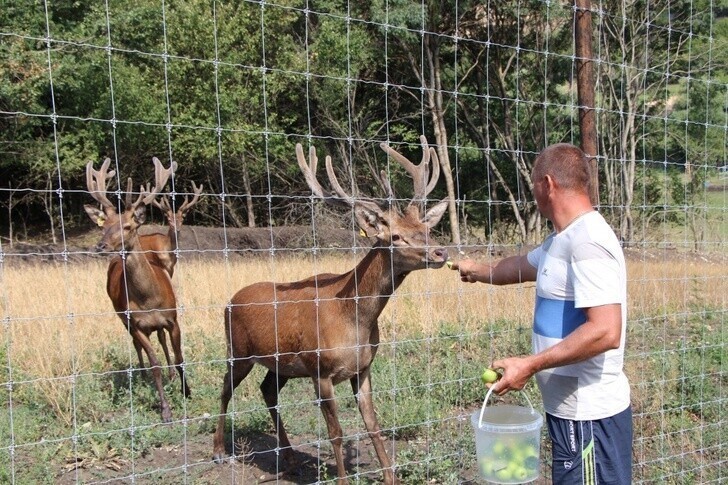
(161, 249)
(325, 327)
(139, 287)
(163, 246)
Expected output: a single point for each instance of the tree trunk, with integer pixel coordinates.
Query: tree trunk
(11, 237)
(48, 205)
(248, 193)
(629, 156)
(585, 89)
(437, 111)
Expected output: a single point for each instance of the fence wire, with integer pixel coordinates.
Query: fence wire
(227, 90)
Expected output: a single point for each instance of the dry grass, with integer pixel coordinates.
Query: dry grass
(675, 286)
(58, 320)
(50, 311)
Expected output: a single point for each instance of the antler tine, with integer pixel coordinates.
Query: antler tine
(145, 195)
(188, 205)
(164, 205)
(309, 172)
(435, 172)
(96, 181)
(423, 182)
(386, 184)
(129, 186)
(415, 171)
(309, 169)
(161, 175)
(335, 183)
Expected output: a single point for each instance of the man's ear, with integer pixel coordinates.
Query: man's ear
(550, 182)
(95, 214)
(369, 220)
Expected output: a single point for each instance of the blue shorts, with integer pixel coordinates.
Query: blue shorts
(592, 452)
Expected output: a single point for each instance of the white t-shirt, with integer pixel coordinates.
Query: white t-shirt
(580, 267)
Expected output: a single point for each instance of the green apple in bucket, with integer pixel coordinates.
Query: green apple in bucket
(520, 473)
(507, 437)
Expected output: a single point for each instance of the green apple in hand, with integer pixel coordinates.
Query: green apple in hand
(489, 376)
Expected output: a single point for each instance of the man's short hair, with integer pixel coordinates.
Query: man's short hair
(567, 164)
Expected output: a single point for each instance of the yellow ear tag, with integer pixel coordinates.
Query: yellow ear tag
(100, 221)
(362, 233)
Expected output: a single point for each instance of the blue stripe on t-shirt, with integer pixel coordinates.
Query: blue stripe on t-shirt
(556, 318)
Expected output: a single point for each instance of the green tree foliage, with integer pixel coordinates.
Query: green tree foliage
(227, 88)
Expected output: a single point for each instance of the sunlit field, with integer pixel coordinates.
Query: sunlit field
(58, 331)
(58, 318)
(65, 327)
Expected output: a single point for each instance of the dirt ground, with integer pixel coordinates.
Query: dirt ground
(192, 463)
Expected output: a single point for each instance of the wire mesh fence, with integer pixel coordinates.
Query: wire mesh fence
(226, 90)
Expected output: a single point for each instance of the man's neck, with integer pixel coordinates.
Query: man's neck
(570, 210)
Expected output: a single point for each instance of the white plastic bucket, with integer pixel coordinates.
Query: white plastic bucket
(508, 442)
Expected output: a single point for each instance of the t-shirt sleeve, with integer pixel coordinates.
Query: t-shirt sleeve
(597, 276)
(534, 256)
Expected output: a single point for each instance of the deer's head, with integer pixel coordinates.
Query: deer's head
(406, 232)
(120, 229)
(175, 218)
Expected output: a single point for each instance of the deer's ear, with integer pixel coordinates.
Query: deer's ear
(95, 214)
(370, 220)
(433, 216)
(140, 214)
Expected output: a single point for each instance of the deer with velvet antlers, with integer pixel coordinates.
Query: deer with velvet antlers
(137, 282)
(325, 327)
(164, 246)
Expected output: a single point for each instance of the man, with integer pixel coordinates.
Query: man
(578, 327)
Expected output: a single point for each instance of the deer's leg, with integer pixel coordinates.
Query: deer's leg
(138, 348)
(176, 337)
(271, 387)
(237, 371)
(162, 337)
(325, 392)
(362, 386)
(140, 338)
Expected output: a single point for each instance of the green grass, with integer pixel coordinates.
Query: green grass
(116, 413)
(716, 203)
(679, 409)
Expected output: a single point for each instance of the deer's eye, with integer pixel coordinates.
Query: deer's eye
(396, 238)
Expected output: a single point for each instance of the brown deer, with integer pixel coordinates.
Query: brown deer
(163, 246)
(325, 327)
(160, 249)
(139, 287)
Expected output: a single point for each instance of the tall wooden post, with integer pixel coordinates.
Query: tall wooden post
(585, 89)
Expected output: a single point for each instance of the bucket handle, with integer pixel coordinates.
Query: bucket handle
(485, 401)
